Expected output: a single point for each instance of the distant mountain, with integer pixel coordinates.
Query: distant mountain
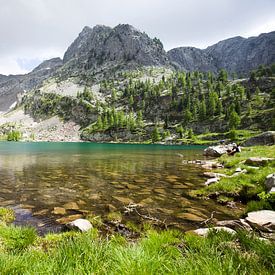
(12, 85)
(101, 51)
(235, 54)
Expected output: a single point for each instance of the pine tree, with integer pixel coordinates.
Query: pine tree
(234, 120)
(155, 135)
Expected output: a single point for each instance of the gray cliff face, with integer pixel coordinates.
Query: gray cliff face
(191, 59)
(12, 85)
(236, 54)
(104, 47)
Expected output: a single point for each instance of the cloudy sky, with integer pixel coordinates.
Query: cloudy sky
(34, 30)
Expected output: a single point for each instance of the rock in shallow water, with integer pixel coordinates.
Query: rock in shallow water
(59, 211)
(79, 225)
(71, 206)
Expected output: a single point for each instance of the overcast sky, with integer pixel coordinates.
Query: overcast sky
(34, 30)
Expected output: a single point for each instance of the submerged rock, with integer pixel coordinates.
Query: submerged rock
(71, 206)
(59, 211)
(68, 219)
(123, 199)
(79, 225)
(190, 217)
(263, 220)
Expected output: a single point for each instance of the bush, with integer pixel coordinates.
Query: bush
(14, 136)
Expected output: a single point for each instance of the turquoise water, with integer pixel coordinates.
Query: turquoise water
(51, 183)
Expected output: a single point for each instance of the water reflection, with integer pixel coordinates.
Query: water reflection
(59, 180)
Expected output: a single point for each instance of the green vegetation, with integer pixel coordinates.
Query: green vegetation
(14, 136)
(185, 105)
(249, 187)
(6, 215)
(166, 252)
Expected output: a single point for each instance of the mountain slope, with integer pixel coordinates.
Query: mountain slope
(11, 86)
(236, 55)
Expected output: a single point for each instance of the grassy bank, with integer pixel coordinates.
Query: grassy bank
(166, 252)
(248, 187)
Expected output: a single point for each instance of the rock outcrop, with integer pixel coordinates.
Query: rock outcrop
(266, 138)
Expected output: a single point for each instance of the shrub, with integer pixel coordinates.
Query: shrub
(14, 136)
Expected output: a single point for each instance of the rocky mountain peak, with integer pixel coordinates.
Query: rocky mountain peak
(103, 46)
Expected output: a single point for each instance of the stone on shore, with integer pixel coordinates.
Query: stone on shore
(79, 225)
(214, 175)
(211, 181)
(270, 183)
(205, 231)
(217, 151)
(263, 220)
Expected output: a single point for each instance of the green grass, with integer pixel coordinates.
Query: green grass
(244, 186)
(6, 215)
(165, 252)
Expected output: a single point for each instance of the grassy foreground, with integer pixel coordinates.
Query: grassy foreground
(166, 252)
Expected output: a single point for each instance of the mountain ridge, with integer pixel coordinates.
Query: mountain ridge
(101, 51)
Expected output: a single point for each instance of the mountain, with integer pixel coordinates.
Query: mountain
(102, 48)
(12, 85)
(236, 55)
(100, 52)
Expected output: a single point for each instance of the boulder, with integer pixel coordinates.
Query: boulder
(205, 231)
(79, 225)
(217, 151)
(267, 138)
(263, 220)
(258, 161)
(270, 182)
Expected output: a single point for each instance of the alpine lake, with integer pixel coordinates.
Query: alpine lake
(49, 184)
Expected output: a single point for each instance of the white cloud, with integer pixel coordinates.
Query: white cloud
(40, 29)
